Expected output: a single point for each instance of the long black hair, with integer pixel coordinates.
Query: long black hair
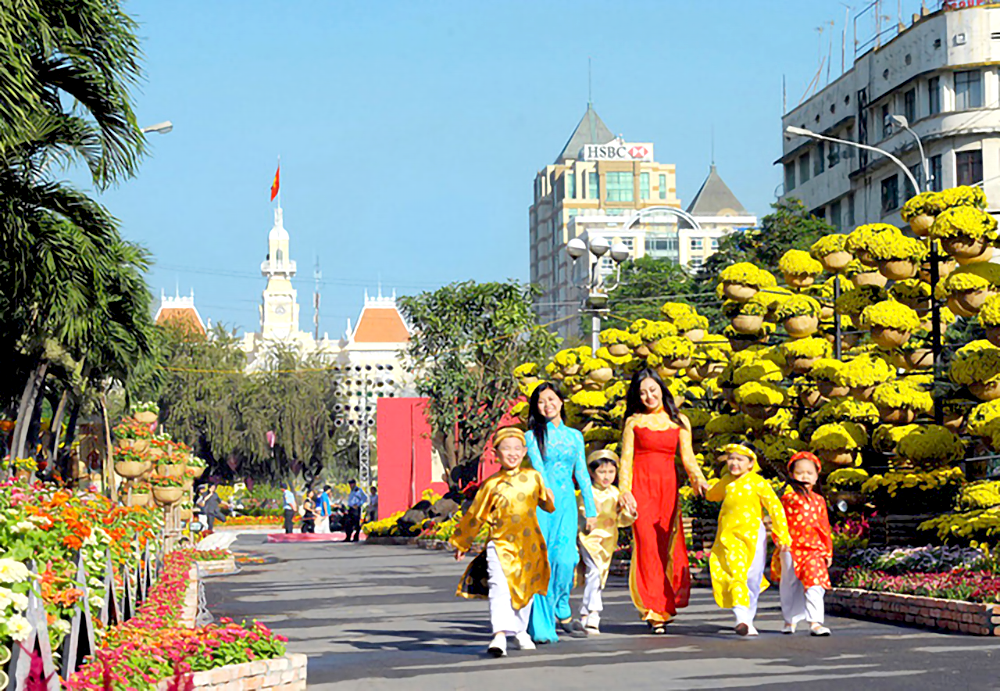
(634, 404)
(536, 421)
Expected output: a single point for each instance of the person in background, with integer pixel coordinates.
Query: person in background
(373, 503)
(323, 510)
(355, 501)
(209, 505)
(290, 507)
(308, 512)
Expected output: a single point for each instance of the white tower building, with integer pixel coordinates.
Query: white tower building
(279, 311)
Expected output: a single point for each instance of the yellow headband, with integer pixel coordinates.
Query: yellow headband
(507, 433)
(741, 450)
(603, 455)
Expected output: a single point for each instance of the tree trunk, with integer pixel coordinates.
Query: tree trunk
(26, 409)
(56, 426)
(109, 461)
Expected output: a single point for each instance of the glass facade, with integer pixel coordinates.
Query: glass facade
(643, 185)
(619, 187)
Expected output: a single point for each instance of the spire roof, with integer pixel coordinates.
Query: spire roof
(715, 198)
(590, 130)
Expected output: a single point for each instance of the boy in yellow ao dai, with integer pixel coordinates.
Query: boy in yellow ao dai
(514, 566)
(740, 550)
(598, 546)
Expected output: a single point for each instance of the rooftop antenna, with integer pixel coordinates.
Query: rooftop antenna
(317, 275)
(843, 38)
(590, 89)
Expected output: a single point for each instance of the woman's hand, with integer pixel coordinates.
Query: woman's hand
(550, 495)
(627, 502)
(829, 562)
(591, 524)
(459, 555)
(700, 486)
(782, 548)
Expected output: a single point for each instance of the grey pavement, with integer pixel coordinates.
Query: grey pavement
(386, 617)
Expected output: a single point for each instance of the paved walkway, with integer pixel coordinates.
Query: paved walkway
(381, 617)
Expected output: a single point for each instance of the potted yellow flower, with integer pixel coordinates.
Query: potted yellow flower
(742, 280)
(984, 420)
(920, 211)
(760, 399)
(945, 265)
(899, 402)
(802, 353)
(989, 319)
(686, 320)
(854, 302)
(931, 446)
(740, 341)
(966, 289)
(966, 233)
(831, 252)
(675, 352)
(977, 366)
(913, 293)
(885, 438)
(861, 274)
(618, 342)
(898, 256)
(964, 195)
(746, 317)
(826, 372)
(799, 269)
(916, 352)
(890, 323)
(711, 356)
(836, 443)
(597, 373)
(139, 494)
(859, 239)
(649, 332)
(863, 373)
(824, 294)
(799, 315)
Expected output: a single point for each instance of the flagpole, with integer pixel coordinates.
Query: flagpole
(279, 181)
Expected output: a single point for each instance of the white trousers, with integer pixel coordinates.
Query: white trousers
(797, 602)
(322, 524)
(503, 617)
(745, 615)
(592, 604)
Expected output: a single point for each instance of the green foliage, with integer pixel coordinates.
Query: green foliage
(468, 338)
(645, 278)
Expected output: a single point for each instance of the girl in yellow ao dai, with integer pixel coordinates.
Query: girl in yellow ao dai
(740, 550)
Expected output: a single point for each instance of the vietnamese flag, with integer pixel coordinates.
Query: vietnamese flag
(276, 184)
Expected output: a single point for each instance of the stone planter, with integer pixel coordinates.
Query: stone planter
(799, 280)
(835, 261)
(869, 278)
(896, 416)
(748, 323)
(963, 246)
(165, 496)
(619, 349)
(145, 417)
(971, 618)
(218, 566)
(738, 291)
(802, 326)
(830, 390)
(888, 337)
(985, 391)
(898, 269)
(695, 335)
(286, 673)
(132, 469)
(921, 225)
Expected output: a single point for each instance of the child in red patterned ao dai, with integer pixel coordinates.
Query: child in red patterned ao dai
(803, 569)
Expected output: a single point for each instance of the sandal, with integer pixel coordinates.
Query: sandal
(658, 629)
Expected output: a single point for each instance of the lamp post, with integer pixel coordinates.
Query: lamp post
(159, 128)
(902, 122)
(596, 303)
(802, 132)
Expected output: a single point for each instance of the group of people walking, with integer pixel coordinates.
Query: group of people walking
(319, 509)
(541, 538)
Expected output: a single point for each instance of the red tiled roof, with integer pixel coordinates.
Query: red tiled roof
(381, 325)
(183, 317)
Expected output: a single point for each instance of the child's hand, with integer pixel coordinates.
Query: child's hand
(627, 502)
(459, 555)
(552, 497)
(829, 562)
(591, 524)
(700, 487)
(782, 548)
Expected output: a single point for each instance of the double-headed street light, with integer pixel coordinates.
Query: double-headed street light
(596, 303)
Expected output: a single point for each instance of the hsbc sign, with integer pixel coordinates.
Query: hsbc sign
(618, 151)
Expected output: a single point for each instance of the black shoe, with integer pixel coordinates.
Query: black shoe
(573, 629)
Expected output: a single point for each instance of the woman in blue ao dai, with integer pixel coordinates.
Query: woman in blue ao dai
(557, 452)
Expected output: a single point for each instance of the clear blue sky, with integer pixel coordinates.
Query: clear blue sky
(410, 131)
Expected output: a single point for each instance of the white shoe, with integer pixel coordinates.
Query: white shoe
(524, 641)
(788, 628)
(498, 646)
(751, 631)
(819, 630)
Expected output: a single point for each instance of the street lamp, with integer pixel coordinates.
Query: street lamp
(901, 122)
(159, 128)
(803, 132)
(597, 297)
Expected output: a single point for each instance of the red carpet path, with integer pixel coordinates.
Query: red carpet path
(308, 537)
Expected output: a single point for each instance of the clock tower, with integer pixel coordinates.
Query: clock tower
(279, 313)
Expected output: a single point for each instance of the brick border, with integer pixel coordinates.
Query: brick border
(956, 616)
(215, 567)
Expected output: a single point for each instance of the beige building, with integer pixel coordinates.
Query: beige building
(603, 186)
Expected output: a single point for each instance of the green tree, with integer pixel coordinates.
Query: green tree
(468, 338)
(644, 285)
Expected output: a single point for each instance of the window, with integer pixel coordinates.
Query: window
(969, 167)
(910, 105)
(789, 177)
(918, 173)
(890, 194)
(571, 184)
(592, 185)
(643, 185)
(886, 123)
(934, 95)
(714, 244)
(663, 186)
(279, 256)
(696, 262)
(820, 161)
(850, 211)
(662, 246)
(619, 187)
(804, 168)
(697, 244)
(936, 174)
(968, 90)
(835, 219)
(833, 155)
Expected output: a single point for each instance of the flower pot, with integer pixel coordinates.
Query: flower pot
(140, 499)
(186, 514)
(865, 257)
(969, 302)
(171, 469)
(801, 365)
(888, 337)
(21, 474)
(810, 398)
(945, 266)
(759, 412)
(602, 375)
(986, 256)
(708, 370)
(799, 280)
(132, 469)
(964, 246)
(835, 261)
(145, 417)
(847, 340)
(922, 358)
(155, 453)
(863, 393)
(641, 351)
(920, 306)
(748, 323)
(738, 291)
(589, 385)
(954, 422)
(666, 372)
(678, 364)
(896, 416)
(694, 335)
(921, 225)
(739, 344)
(802, 326)
(985, 391)
(197, 470)
(729, 395)
(993, 335)
(619, 349)
(693, 374)
(835, 458)
(869, 278)
(828, 389)
(571, 370)
(897, 269)
(165, 496)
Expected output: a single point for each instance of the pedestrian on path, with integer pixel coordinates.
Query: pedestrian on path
(514, 566)
(289, 507)
(655, 433)
(323, 510)
(356, 500)
(556, 451)
(308, 524)
(803, 570)
(740, 550)
(598, 545)
(209, 506)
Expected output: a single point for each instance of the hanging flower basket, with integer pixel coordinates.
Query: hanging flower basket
(619, 349)
(132, 469)
(145, 417)
(964, 246)
(166, 496)
(738, 291)
(921, 225)
(896, 415)
(836, 261)
(810, 397)
(748, 323)
(986, 256)
(641, 351)
(695, 335)
(828, 389)
(601, 375)
(799, 280)
(889, 338)
(869, 278)
(898, 269)
(802, 326)
(967, 303)
(985, 391)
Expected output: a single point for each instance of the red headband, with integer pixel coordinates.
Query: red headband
(805, 456)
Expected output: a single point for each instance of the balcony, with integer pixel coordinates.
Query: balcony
(270, 266)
